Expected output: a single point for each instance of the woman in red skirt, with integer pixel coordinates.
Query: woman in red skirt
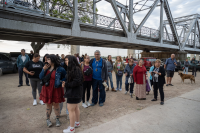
(52, 92)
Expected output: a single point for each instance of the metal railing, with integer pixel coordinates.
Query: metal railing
(60, 9)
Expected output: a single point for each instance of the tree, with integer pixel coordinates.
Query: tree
(60, 9)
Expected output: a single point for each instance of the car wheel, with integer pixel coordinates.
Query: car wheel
(1, 73)
(15, 69)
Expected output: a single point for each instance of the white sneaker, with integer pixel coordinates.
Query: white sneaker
(69, 130)
(77, 124)
(117, 89)
(88, 103)
(120, 89)
(126, 92)
(34, 102)
(41, 102)
(84, 105)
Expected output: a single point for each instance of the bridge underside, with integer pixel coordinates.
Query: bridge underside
(19, 26)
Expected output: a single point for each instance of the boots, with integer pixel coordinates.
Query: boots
(113, 89)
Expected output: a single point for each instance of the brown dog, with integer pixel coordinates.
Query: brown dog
(186, 76)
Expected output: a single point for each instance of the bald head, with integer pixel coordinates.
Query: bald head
(172, 56)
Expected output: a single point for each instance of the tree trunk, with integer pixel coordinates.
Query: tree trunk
(37, 46)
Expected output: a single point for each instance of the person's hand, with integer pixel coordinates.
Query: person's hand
(31, 73)
(159, 73)
(126, 74)
(63, 84)
(105, 80)
(46, 66)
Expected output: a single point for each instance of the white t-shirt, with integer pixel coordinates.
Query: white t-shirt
(23, 58)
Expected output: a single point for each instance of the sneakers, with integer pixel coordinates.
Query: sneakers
(41, 102)
(120, 89)
(92, 104)
(77, 124)
(101, 104)
(161, 103)
(57, 122)
(88, 103)
(34, 102)
(131, 94)
(126, 92)
(19, 85)
(117, 89)
(84, 105)
(69, 130)
(49, 124)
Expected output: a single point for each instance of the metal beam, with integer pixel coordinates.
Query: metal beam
(94, 12)
(130, 16)
(195, 27)
(147, 16)
(171, 22)
(161, 22)
(70, 5)
(115, 8)
(198, 30)
(185, 39)
(75, 25)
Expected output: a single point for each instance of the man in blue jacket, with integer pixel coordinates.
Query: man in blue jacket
(21, 61)
(100, 76)
(129, 73)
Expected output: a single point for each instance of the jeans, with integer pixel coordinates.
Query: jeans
(111, 80)
(156, 87)
(119, 81)
(127, 86)
(20, 70)
(35, 84)
(61, 106)
(95, 85)
(86, 86)
(186, 69)
(194, 71)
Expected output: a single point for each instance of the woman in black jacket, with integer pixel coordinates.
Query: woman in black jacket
(158, 77)
(74, 92)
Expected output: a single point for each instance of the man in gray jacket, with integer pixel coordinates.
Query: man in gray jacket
(100, 75)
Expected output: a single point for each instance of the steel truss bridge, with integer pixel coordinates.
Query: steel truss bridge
(70, 22)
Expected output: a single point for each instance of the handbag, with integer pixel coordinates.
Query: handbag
(88, 72)
(148, 89)
(119, 72)
(130, 80)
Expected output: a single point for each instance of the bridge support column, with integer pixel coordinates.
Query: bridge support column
(191, 56)
(75, 49)
(197, 57)
(131, 52)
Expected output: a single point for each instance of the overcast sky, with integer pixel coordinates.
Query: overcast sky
(178, 8)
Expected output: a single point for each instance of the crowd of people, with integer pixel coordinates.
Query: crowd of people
(71, 78)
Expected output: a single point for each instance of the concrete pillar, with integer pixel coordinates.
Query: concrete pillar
(197, 57)
(75, 49)
(131, 52)
(191, 56)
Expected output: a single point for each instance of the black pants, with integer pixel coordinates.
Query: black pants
(194, 71)
(156, 87)
(86, 86)
(20, 70)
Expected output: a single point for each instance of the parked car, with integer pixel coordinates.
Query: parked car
(190, 66)
(7, 65)
(147, 61)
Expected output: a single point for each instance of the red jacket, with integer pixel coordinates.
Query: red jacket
(138, 73)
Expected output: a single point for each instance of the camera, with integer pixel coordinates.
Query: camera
(47, 84)
(41, 83)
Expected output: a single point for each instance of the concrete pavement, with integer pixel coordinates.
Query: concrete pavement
(177, 115)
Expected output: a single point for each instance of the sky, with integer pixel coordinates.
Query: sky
(177, 7)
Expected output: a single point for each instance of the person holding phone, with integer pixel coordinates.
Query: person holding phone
(33, 69)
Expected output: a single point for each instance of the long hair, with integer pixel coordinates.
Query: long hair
(44, 57)
(65, 66)
(119, 58)
(54, 60)
(72, 68)
(110, 60)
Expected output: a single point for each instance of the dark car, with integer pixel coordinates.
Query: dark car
(190, 66)
(7, 65)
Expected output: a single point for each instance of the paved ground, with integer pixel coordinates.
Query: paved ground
(178, 115)
(18, 115)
